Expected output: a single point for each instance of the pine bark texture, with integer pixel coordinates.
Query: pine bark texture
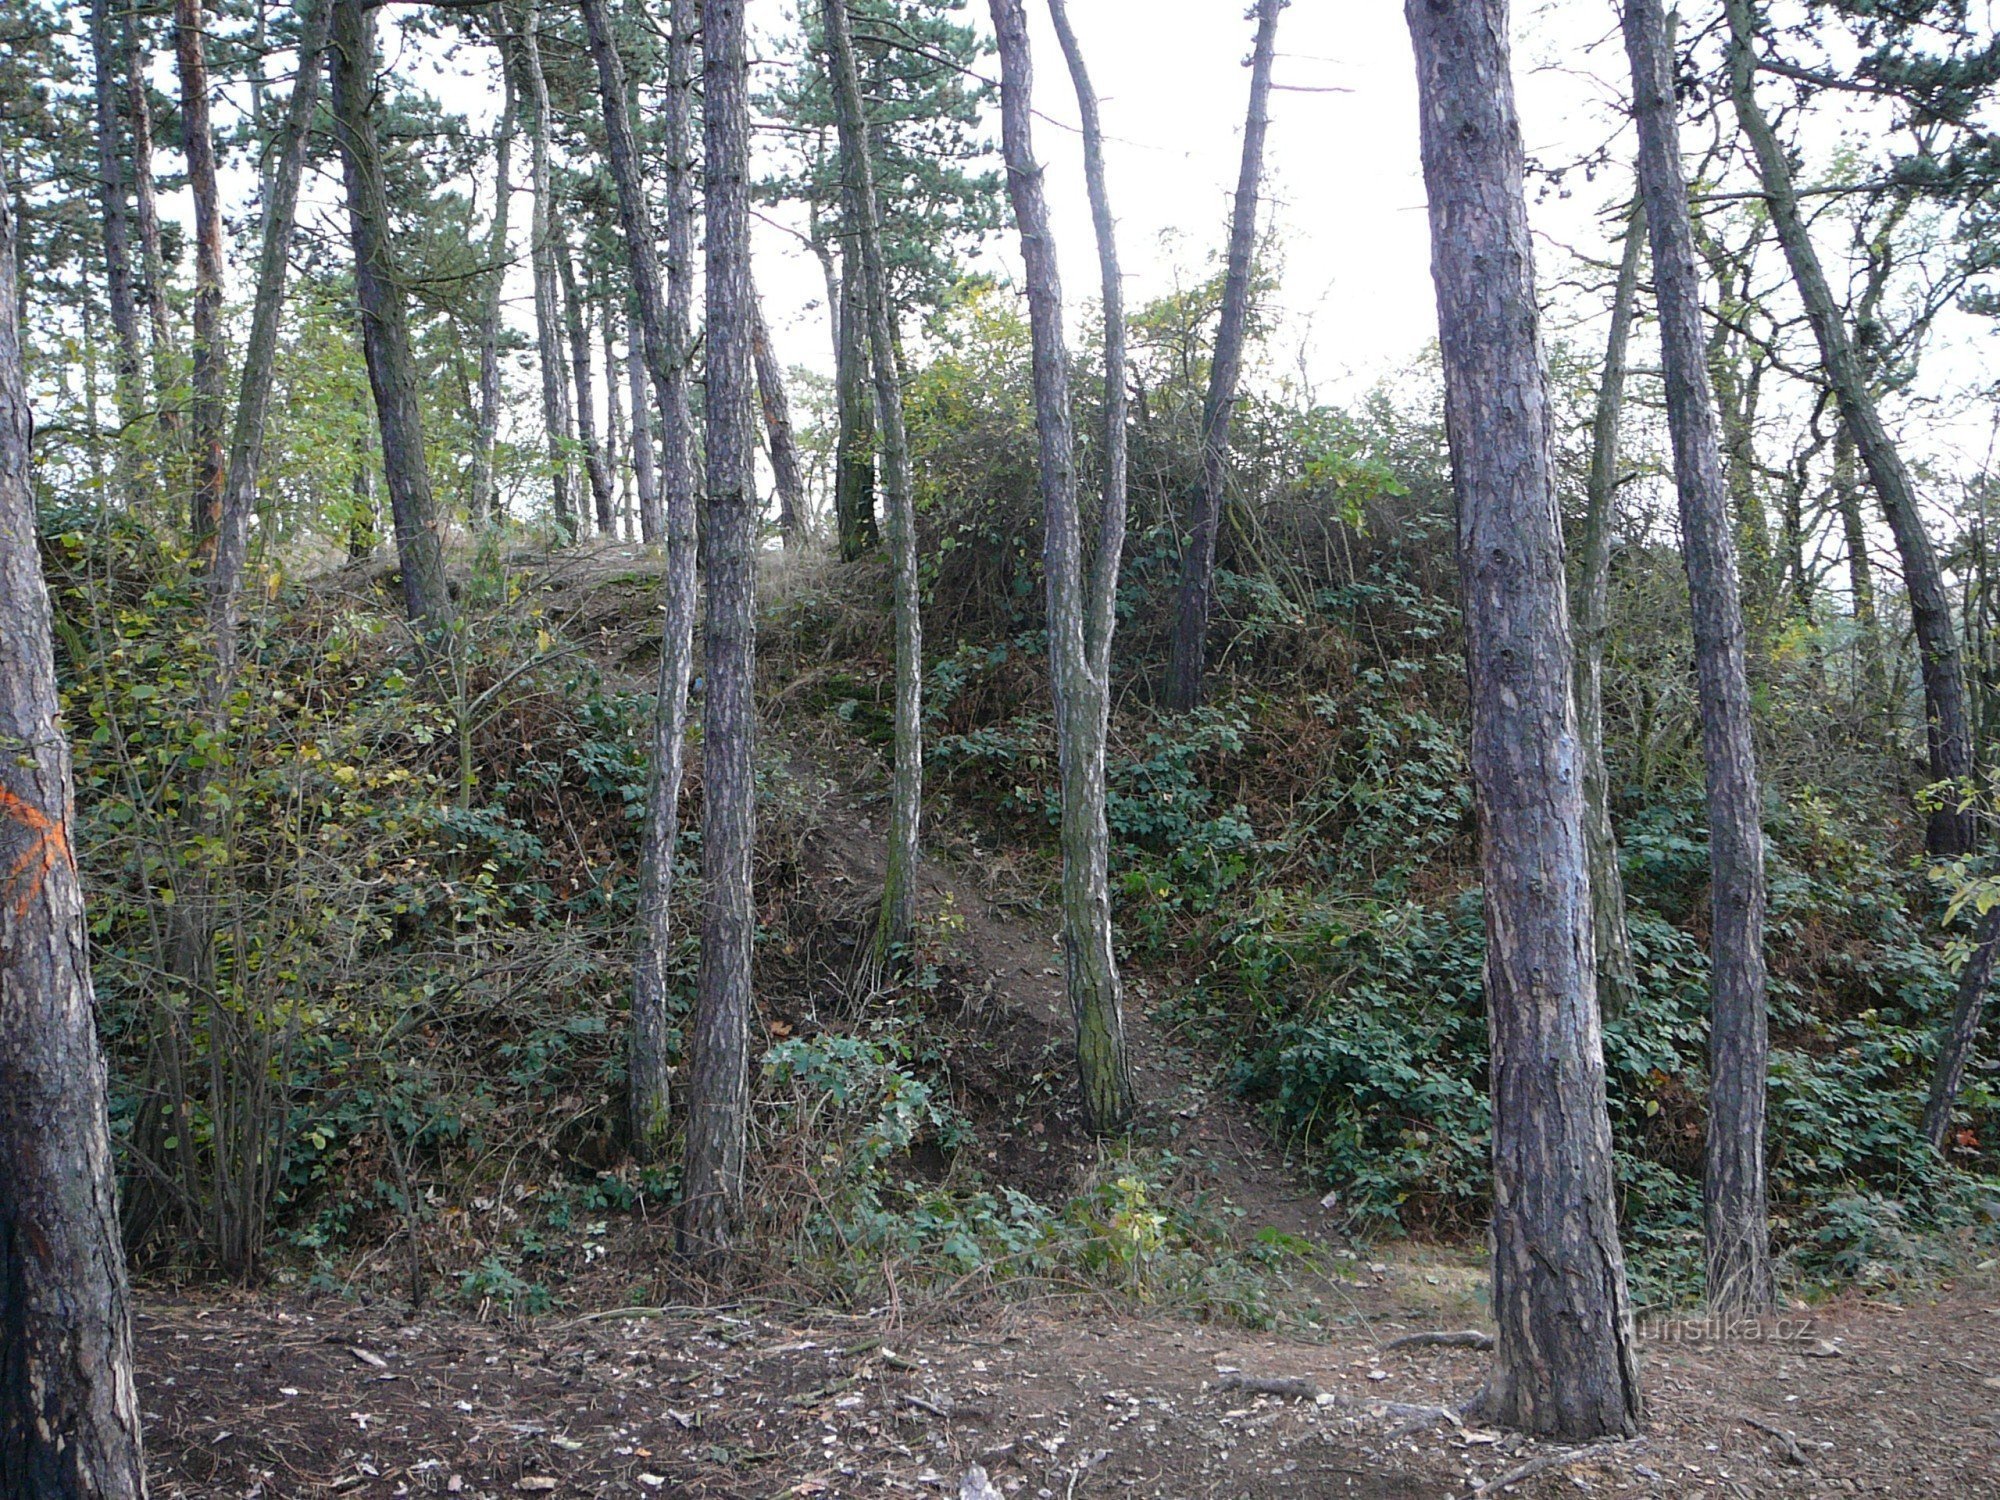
(663, 337)
(1564, 1362)
(719, 1057)
(254, 386)
(69, 1412)
(1617, 981)
(898, 913)
(385, 330)
(1103, 1068)
(1738, 1235)
(1947, 721)
(210, 358)
(1188, 664)
(485, 491)
(780, 435)
(578, 330)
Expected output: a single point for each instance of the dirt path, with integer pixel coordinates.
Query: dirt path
(254, 1397)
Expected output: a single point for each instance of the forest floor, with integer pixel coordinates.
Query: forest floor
(1059, 1395)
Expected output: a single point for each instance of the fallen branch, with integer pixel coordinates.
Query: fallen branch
(1549, 1461)
(1794, 1455)
(1470, 1338)
(1296, 1386)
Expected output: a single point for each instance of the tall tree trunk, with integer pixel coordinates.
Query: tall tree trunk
(899, 892)
(1102, 1066)
(253, 394)
(645, 466)
(1860, 578)
(361, 488)
(663, 336)
(113, 201)
(719, 1059)
(69, 1412)
(1617, 980)
(1564, 1361)
(210, 358)
(385, 332)
(586, 413)
(1738, 1238)
(485, 492)
(615, 429)
(1188, 661)
(146, 217)
(1955, 1045)
(548, 298)
(1948, 724)
(854, 446)
(778, 431)
(1089, 953)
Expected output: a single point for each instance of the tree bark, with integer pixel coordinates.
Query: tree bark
(586, 413)
(1103, 1069)
(1187, 664)
(548, 299)
(253, 392)
(1860, 578)
(1089, 951)
(663, 336)
(1617, 980)
(1955, 1045)
(485, 492)
(615, 430)
(1564, 1359)
(719, 1060)
(146, 214)
(210, 358)
(1948, 725)
(645, 463)
(69, 1412)
(113, 201)
(385, 332)
(854, 446)
(1738, 1235)
(778, 431)
(899, 892)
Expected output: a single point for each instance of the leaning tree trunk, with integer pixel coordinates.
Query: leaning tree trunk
(663, 336)
(113, 202)
(253, 393)
(1617, 980)
(1188, 661)
(1102, 1066)
(210, 358)
(779, 433)
(485, 491)
(69, 1413)
(586, 414)
(719, 1058)
(1564, 1360)
(899, 891)
(1738, 1238)
(1955, 1047)
(548, 299)
(385, 331)
(1089, 952)
(1948, 724)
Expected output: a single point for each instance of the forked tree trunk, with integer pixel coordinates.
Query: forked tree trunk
(548, 298)
(69, 1413)
(719, 1058)
(663, 336)
(385, 331)
(1564, 1361)
(210, 358)
(586, 413)
(1947, 721)
(1102, 1066)
(899, 891)
(114, 204)
(1188, 663)
(1617, 980)
(485, 491)
(1090, 955)
(778, 432)
(1738, 1237)
(253, 392)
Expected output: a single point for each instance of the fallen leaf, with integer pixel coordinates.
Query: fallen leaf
(367, 1357)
